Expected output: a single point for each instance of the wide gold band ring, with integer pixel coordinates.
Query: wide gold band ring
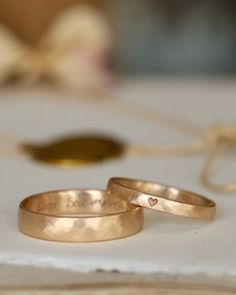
(78, 216)
(162, 198)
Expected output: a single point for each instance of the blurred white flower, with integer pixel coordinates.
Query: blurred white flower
(74, 53)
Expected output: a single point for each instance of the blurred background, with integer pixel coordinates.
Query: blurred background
(175, 35)
(87, 47)
(151, 36)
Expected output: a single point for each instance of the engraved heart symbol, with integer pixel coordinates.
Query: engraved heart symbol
(152, 202)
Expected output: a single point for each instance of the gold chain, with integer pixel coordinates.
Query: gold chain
(215, 140)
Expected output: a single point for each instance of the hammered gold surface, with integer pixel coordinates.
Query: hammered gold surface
(160, 197)
(78, 216)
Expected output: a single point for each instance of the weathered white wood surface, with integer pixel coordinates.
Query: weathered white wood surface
(168, 245)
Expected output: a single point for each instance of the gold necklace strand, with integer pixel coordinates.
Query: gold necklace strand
(140, 112)
(216, 139)
(219, 139)
(215, 153)
(12, 144)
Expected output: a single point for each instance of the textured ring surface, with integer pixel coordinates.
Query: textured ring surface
(162, 197)
(78, 216)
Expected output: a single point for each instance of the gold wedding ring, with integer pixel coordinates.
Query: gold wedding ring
(78, 216)
(98, 215)
(161, 198)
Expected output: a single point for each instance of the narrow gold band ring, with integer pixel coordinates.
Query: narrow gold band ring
(162, 198)
(78, 216)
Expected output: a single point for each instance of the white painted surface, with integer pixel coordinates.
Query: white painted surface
(167, 243)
